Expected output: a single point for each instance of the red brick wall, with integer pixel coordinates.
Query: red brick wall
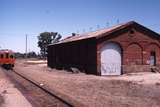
(136, 47)
(133, 54)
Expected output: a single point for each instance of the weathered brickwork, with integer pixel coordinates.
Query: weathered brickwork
(137, 44)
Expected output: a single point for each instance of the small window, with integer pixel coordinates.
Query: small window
(11, 56)
(2, 55)
(131, 32)
(7, 55)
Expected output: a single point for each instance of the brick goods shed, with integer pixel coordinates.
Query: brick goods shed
(128, 47)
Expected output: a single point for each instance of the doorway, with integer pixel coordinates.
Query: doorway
(111, 59)
(153, 58)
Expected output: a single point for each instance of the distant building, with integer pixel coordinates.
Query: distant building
(128, 47)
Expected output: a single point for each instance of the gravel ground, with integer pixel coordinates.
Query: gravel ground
(9, 95)
(1, 100)
(132, 90)
(36, 96)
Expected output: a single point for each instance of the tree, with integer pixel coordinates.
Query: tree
(46, 38)
(32, 54)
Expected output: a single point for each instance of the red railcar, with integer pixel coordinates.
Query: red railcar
(7, 59)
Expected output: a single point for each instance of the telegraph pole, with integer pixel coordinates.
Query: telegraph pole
(26, 45)
(117, 21)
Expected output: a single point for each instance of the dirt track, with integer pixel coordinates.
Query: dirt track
(10, 96)
(35, 95)
(134, 90)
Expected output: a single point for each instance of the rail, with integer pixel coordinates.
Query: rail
(45, 90)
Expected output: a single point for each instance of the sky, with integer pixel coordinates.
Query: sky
(31, 17)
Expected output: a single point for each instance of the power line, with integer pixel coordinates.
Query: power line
(17, 34)
(153, 25)
(107, 24)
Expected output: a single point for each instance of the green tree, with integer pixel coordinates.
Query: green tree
(32, 54)
(46, 38)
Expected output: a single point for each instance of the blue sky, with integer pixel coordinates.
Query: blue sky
(20, 17)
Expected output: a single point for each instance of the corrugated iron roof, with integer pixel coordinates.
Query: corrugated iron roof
(88, 35)
(93, 34)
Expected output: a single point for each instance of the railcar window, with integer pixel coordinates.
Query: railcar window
(7, 55)
(11, 56)
(2, 56)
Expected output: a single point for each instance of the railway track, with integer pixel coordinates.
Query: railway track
(35, 93)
